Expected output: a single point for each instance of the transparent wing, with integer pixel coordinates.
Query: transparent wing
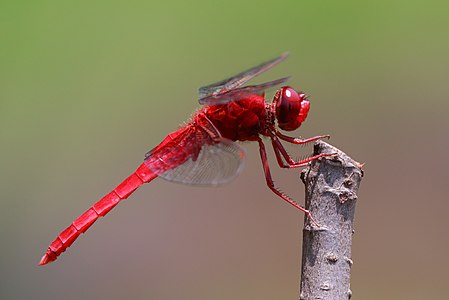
(241, 93)
(215, 164)
(196, 155)
(239, 79)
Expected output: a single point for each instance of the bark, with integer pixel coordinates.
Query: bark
(331, 194)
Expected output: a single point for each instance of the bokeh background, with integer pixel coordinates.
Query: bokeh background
(87, 87)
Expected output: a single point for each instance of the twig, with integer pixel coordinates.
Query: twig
(331, 194)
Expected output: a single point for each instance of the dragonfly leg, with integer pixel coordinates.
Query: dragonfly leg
(286, 161)
(270, 183)
(300, 141)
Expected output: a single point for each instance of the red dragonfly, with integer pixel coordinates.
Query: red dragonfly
(204, 151)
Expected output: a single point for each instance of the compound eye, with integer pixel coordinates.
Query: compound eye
(288, 106)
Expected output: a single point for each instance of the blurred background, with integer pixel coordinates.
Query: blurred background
(88, 87)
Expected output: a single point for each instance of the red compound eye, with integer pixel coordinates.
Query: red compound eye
(291, 108)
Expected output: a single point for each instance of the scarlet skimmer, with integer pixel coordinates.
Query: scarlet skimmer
(205, 150)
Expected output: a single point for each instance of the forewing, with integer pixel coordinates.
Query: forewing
(239, 79)
(240, 93)
(215, 164)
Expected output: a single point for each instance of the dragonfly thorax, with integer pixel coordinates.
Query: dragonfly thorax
(241, 120)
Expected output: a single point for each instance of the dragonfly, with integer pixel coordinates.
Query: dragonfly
(205, 151)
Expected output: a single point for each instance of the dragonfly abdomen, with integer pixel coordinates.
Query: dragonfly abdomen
(66, 238)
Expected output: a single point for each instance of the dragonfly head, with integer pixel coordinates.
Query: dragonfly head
(291, 108)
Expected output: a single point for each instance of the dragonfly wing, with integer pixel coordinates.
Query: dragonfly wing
(239, 79)
(215, 164)
(196, 155)
(240, 93)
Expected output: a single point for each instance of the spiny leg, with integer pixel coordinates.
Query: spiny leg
(280, 153)
(270, 183)
(300, 141)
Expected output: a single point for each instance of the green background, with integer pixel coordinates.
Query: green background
(87, 87)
